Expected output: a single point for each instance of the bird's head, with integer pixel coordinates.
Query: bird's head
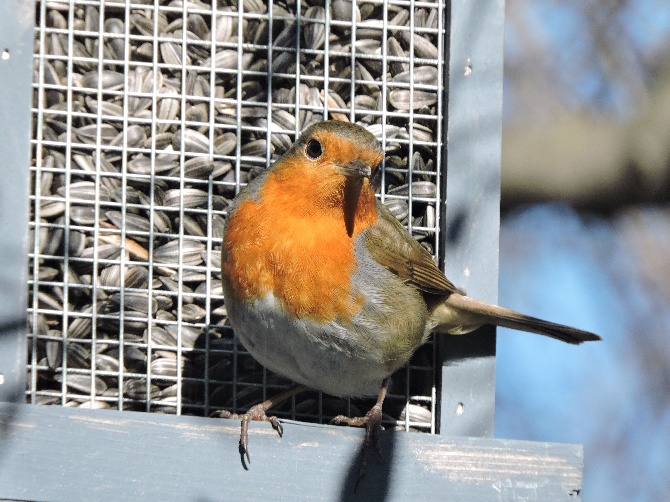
(335, 159)
(335, 147)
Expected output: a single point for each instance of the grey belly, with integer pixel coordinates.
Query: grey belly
(323, 358)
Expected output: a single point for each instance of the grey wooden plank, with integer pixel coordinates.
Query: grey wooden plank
(55, 453)
(472, 215)
(16, 46)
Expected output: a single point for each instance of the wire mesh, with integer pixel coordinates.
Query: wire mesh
(148, 117)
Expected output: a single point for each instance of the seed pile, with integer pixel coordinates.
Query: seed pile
(146, 122)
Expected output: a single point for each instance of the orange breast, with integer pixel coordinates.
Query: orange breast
(294, 244)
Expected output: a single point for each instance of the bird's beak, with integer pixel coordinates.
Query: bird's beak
(355, 173)
(355, 169)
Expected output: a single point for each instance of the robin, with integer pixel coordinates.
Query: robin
(324, 286)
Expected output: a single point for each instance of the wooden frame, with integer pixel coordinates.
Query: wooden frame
(105, 455)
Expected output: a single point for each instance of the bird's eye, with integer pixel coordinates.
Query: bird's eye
(314, 149)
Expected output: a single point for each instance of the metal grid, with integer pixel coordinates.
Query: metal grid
(143, 132)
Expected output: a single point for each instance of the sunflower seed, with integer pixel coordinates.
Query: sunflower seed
(76, 243)
(104, 108)
(85, 191)
(190, 141)
(55, 19)
(131, 222)
(134, 137)
(54, 352)
(416, 413)
(141, 81)
(188, 198)
(191, 226)
(429, 218)
(168, 108)
(422, 189)
(138, 302)
(227, 60)
(189, 335)
(173, 286)
(106, 79)
(395, 51)
(399, 208)
(172, 54)
(256, 148)
(190, 252)
(163, 367)
(117, 45)
(226, 25)
(314, 30)
(161, 222)
(144, 165)
(422, 133)
(160, 336)
(400, 99)
(46, 274)
(82, 383)
(137, 389)
(104, 362)
(192, 312)
(102, 252)
(84, 215)
(199, 27)
(94, 405)
(343, 10)
(421, 75)
(145, 25)
(136, 277)
(423, 47)
(52, 208)
(80, 327)
(400, 19)
(110, 276)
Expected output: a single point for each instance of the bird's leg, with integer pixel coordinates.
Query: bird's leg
(373, 425)
(257, 413)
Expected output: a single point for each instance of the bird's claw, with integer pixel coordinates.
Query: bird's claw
(372, 422)
(256, 414)
(276, 425)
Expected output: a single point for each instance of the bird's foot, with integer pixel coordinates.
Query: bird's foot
(372, 421)
(257, 413)
(373, 426)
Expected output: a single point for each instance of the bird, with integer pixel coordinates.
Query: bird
(324, 286)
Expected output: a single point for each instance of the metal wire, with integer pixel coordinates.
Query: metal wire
(126, 309)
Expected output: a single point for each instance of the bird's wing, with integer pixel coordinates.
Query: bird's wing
(392, 246)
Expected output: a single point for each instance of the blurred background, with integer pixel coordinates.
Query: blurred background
(585, 236)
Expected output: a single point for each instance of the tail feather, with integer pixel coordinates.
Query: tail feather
(500, 316)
